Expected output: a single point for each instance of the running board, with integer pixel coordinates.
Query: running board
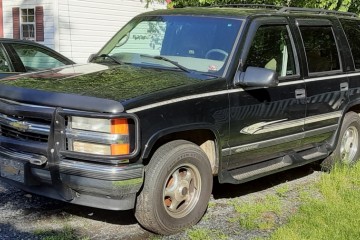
(261, 169)
(257, 170)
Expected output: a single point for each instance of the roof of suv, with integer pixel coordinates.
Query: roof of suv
(245, 10)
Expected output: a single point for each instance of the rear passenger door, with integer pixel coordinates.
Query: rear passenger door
(352, 31)
(326, 83)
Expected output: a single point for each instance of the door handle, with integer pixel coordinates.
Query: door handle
(300, 93)
(344, 86)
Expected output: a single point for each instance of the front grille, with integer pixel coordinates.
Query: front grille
(12, 133)
(21, 128)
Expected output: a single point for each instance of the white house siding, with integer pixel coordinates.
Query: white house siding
(86, 25)
(48, 17)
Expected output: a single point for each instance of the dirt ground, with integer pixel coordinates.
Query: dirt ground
(27, 216)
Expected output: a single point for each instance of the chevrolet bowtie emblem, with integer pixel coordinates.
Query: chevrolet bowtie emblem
(21, 126)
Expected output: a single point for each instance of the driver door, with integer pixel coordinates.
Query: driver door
(267, 122)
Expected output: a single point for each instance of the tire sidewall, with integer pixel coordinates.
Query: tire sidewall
(351, 119)
(181, 158)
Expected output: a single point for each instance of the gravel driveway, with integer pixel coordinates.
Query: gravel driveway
(26, 216)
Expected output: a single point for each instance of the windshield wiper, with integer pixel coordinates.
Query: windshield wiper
(110, 57)
(168, 60)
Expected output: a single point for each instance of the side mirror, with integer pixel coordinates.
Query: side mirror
(91, 57)
(257, 77)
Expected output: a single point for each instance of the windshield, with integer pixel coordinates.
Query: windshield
(201, 44)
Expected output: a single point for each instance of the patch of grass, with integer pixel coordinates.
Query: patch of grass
(127, 183)
(155, 237)
(205, 234)
(232, 219)
(309, 192)
(283, 190)
(211, 204)
(260, 214)
(333, 216)
(66, 233)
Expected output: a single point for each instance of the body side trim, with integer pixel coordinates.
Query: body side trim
(276, 141)
(216, 93)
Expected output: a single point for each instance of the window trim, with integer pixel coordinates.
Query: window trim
(7, 58)
(357, 21)
(319, 23)
(265, 21)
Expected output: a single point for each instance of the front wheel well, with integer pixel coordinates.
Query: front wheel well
(355, 108)
(204, 138)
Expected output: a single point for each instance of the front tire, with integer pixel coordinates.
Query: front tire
(177, 188)
(347, 151)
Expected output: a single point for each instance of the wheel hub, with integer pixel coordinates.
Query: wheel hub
(181, 191)
(349, 145)
(184, 191)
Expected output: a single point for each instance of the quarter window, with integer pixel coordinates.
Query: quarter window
(320, 47)
(272, 49)
(352, 31)
(28, 23)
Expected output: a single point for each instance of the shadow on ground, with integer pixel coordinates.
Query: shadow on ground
(237, 190)
(113, 217)
(7, 232)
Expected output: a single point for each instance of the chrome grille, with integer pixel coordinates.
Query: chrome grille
(21, 128)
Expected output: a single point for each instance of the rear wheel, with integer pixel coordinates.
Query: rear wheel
(177, 188)
(348, 145)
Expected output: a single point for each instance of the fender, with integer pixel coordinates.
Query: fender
(181, 128)
(333, 141)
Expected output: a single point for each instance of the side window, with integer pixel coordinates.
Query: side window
(35, 58)
(320, 47)
(272, 49)
(352, 31)
(4, 65)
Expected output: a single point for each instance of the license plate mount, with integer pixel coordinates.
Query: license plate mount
(13, 170)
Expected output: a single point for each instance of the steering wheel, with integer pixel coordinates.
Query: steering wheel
(217, 50)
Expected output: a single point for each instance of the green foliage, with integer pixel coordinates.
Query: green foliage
(341, 5)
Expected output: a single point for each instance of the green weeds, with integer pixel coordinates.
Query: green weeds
(206, 234)
(335, 215)
(262, 213)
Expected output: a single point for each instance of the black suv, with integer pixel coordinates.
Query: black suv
(178, 96)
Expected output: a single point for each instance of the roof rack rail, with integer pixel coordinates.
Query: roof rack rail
(248, 5)
(315, 10)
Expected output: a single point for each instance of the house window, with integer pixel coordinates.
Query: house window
(28, 23)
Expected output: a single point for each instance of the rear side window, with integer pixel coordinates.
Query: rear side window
(320, 47)
(352, 31)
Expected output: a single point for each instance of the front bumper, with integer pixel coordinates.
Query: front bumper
(89, 184)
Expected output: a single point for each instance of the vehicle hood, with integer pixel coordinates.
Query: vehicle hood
(95, 80)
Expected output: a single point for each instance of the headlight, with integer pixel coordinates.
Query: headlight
(91, 124)
(98, 136)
